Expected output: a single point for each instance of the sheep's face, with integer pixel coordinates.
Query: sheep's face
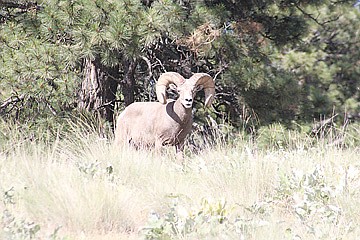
(187, 94)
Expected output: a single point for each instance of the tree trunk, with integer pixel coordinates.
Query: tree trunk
(128, 83)
(98, 89)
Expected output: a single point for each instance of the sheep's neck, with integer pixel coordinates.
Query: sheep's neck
(183, 114)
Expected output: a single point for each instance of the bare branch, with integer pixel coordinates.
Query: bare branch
(315, 19)
(149, 66)
(24, 6)
(51, 108)
(11, 100)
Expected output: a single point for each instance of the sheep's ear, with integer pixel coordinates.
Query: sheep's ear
(172, 87)
(199, 88)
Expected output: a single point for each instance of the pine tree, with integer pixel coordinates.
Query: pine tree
(57, 55)
(326, 63)
(257, 35)
(98, 41)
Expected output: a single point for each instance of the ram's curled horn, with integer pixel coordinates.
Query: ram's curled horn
(164, 80)
(208, 84)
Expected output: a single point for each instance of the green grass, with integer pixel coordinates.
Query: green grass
(79, 186)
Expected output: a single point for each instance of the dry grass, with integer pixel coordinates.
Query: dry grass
(80, 187)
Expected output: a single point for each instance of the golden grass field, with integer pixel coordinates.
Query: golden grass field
(79, 186)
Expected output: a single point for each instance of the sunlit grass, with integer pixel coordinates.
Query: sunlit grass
(79, 186)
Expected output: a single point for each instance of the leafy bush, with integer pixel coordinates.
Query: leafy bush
(311, 198)
(12, 227)
(15, 228)
(278, 136)
(18, 228)
(211, 218)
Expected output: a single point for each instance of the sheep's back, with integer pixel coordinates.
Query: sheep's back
(136, 123)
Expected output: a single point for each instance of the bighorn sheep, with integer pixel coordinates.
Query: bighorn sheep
(154, 124)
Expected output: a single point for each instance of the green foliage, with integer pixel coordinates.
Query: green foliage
(210, 218)
(14, 228)
(11, 227)
(278, 137)
(50, 130)
(274, 95)
(44, 50)
(307, 67)
(287, 61)
(352, 135)
(311, 198)
(326, 64)
(18, 229)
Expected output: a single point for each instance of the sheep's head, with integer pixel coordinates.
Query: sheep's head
(187, 89)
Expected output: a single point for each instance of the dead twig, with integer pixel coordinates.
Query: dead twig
(11, 101)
